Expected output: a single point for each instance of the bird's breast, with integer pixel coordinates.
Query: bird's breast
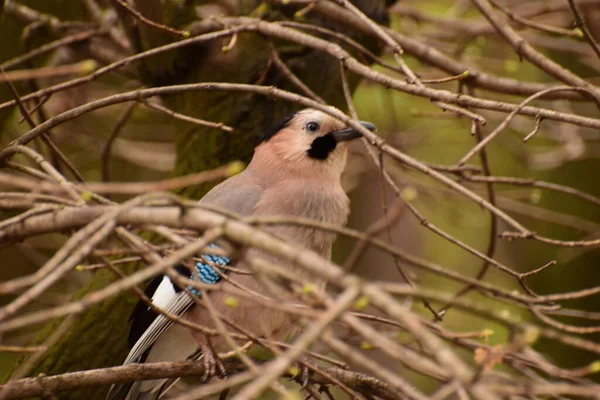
(309, 201)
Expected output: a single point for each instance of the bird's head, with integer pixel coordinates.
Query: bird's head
(309, 141)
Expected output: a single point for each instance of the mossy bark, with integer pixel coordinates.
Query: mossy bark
(98, 337)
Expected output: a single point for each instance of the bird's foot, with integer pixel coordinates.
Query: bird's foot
(213, 366)
(304, 374)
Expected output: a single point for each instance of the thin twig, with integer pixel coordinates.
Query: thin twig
(137, 15)
(105, 153)
(580, 22)
(197, 121)
(79, 68)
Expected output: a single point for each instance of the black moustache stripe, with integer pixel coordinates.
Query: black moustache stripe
(322, 146)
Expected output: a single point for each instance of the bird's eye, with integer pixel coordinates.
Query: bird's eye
(312, 127)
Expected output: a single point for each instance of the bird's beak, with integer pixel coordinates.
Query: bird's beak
(351, 133)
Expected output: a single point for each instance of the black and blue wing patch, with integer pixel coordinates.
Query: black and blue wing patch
(142, 316)
(206, 272)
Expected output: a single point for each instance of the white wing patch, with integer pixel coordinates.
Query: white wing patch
(164, 294)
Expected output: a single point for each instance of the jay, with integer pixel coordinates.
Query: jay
(296, 172)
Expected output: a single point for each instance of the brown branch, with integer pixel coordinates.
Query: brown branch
(145, 93)
(580, 22)
(96, 13)
(21, 349)
(523, 49)
(120, 63)
(182, 117)
(65, 207)
(106, 149)
(80, 68)
(431, 55)
(491, 193)
(269, 91)
(512, 114)
(255, 237)
(273, 29)
(66, 41)
(164, 185)
(290, 76)
(534, 25)
(46, 136)
(509, 180)
(31, 387)
(140, 17)
(44, 221)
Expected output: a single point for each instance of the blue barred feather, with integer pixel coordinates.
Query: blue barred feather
(206, 272)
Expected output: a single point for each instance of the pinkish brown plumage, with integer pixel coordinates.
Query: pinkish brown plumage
(295, 172)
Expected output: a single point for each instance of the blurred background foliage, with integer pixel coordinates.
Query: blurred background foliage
(151, 146)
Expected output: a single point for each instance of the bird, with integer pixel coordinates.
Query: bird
(295, 171)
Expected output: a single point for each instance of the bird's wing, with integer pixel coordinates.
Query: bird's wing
(173, 301)
(178, 305)
(238, 194)
(162, 292)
